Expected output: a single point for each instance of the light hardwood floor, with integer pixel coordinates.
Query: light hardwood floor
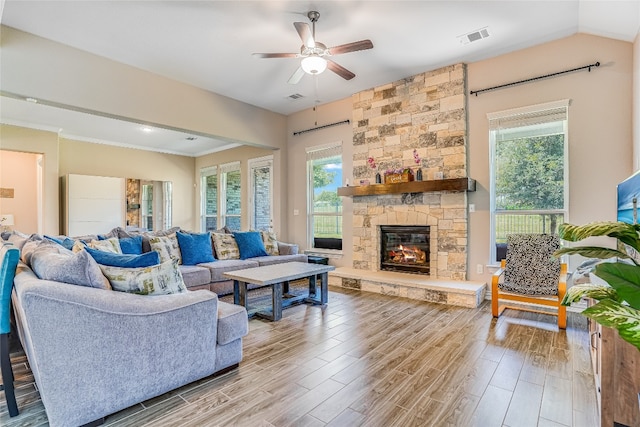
(370, 360)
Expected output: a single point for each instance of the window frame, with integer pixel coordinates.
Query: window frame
(316, 153)
(204, 173)
(257, 163)
(225, 169)
(512, 114)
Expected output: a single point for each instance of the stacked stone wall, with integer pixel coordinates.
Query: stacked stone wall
(426, 113)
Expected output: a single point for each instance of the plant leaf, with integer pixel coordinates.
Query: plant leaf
(621, 317)
(599, 292)
(624, 278)
(626, 233)
(592, 252)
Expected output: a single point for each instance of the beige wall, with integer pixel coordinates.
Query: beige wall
(297, 168)
(243, 155)
(16, 138)
(18, 171)
(40, 68)
(600, 124)
(636, 103)
(85, 158)
(600, 132)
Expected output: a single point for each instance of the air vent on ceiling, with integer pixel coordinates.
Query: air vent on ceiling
(191, 138)
(473, 36)
(295, 96)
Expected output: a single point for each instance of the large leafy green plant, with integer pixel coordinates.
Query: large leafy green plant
(618, 303)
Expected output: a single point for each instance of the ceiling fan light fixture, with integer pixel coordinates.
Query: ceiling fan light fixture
(313, 64)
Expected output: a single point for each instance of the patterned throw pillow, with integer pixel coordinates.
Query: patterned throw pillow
(226, 246)
(161, 279)
(108, 245)
(270, 242)
(167, 247)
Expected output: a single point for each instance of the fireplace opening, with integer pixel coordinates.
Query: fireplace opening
(405, 248)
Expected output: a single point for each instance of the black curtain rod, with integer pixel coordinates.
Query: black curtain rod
(300, 132)
(476, 92)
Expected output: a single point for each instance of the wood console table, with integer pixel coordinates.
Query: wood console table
(616, 368)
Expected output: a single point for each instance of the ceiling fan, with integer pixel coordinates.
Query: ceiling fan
(315, 55)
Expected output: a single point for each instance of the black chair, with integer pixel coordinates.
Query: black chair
(9, 255)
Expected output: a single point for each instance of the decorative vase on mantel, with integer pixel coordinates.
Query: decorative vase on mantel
(378, 178)
(419, 174)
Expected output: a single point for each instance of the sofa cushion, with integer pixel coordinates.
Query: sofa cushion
(219, 267)
(250, 244)
(279, 259)
(270, 242)
(287, 248)
(131, 245)
(195, 275)
(226, 246)
(167, 247)
(53, 262)
(30, 245)
(232, 322)
(161, 279)
(124, 260)
(195, 248)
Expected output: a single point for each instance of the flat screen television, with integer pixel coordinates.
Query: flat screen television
(628, 197)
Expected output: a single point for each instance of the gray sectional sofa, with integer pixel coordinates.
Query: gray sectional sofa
(96, 351)
(210, 275)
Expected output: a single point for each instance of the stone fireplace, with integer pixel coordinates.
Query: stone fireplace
(417, 122)
(405, 248)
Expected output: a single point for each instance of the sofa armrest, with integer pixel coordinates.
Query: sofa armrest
(287, 248)
(110, 350)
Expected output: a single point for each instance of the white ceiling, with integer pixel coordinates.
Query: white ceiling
(208, 44)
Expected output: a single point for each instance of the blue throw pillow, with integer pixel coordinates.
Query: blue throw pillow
(131, 245)
(66, 242)
(124, 260)
(250, 244)
(195, 248)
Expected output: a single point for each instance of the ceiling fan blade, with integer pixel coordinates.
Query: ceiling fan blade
(275, 55)
(351, 47)
(339, 70)
(296, 76)
(305, 34)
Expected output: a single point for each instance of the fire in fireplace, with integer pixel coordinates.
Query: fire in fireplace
(404, 248)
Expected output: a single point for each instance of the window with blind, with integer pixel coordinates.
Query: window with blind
(209, 199)
(230, 200)
(324, 211)
(529, 171)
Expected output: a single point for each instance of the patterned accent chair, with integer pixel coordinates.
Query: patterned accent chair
(9, 255)
(532, 275)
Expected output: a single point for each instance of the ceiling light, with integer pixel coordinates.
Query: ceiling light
(313, 64)
(146, 129)
(33, 100)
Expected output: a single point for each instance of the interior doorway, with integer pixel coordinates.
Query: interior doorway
(22, 190)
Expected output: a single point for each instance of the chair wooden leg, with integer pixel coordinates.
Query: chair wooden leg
(7, 375)
(494, 298)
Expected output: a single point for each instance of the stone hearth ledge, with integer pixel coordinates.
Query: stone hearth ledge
(413, 286)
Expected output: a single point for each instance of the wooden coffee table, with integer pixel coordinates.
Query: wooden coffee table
(278, 277)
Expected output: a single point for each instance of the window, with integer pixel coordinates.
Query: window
(146, 208)
(324, 167)
(529, 171)
(209, 199)
(230, 200)
(260, 193)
